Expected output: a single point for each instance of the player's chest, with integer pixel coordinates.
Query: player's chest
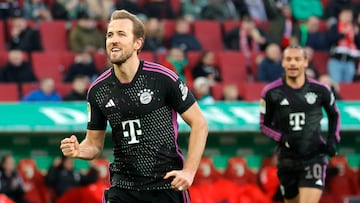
(297, 101)
(133, 101)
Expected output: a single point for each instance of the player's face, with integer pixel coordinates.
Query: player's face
(120, 42)
(294, 62)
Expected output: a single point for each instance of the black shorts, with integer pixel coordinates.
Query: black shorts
(301, 173)
(119, 195)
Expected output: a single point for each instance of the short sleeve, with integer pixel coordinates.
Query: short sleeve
(96, 119)
(179, 96)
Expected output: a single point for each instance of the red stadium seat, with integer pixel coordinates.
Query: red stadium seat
(5, 199)
(33, 179)
(54, 35)
(193, 58)
(63, 88)
(217, 91)
(238, 172)
(2, 36)
(176, 6)
(147, 56)
(206, 173)
(232, 66)
(26, 88)
(346, 91)
(101, 61)
(202, 30)
(230, 24)
(9, 92)
(169, 27)
(344, 183)
(48, 64)
(320, 60)
(252, 91)
(102, 165)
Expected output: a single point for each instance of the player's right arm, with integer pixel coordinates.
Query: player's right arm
(266, 117)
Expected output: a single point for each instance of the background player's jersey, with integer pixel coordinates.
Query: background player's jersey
(292, 116)
(143, 118)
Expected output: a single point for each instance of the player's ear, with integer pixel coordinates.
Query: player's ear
(139, 43)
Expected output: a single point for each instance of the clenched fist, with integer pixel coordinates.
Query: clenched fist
(70, 147)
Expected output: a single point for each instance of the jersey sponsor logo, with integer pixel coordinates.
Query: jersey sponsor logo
(284, 102)
(132, 129)
(89, 111)
(262, 106)
(310, 97)
(297, 120)
(184, 90)
(110, 104)
(145, 96)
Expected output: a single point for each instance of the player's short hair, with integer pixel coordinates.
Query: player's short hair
(295, 46)
(138, 25)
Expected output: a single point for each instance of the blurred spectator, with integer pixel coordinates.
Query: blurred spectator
(256, 10)
(183, 38)
(46, 92)
(10, 181)
(79, 89)
(83, 65)
(86, 36)
(308, 34)
(154, 36)
(247, 37)
(219, 10)
(160, 9)
(311, 70)
(9, 9)
(206, 67)
(281, 23)
(241, 8)
(333, 9)
(23, 37)
(17, 69)
(68, 10)
(345, 42)
(177, 62)
(62, 175)
(100, 10)
(270, 67)
(191, 9)
(303, 9)
(36, 10)
(331, 84)
(231, 93)
(268, 179)
(133, 6)
(202, 91)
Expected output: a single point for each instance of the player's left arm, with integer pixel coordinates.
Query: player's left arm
(333, 115)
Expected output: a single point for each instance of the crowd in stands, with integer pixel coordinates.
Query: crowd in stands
(202, 38)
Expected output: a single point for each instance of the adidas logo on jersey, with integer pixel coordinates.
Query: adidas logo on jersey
(319, 182)
(110, 104)
(284, 102)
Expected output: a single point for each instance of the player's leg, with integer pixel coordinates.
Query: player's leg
(309, 195)
(312, 181)
(289, 184)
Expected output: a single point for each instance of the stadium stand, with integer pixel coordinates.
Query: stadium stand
(232, 65)
(9, 92)
(53, 40)
(212, 41)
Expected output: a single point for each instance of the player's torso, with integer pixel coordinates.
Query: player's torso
(297, 110)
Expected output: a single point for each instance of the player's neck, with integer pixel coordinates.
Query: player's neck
(126, 72)
(295, 82)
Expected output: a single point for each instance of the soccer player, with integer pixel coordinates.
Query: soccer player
(140, 100)
(290, 113)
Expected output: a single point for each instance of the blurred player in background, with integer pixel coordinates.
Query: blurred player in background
(290, 113)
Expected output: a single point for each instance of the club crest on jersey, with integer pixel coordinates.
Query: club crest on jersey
(145, 96)
(310, 97)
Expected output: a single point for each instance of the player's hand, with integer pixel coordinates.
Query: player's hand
(182, 179)
(331, 149)
(70, 147)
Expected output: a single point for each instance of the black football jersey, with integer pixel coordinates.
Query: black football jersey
(296, 114)
(143, 118)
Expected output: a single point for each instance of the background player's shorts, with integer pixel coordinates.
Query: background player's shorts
(299, 173)
(118, 195)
